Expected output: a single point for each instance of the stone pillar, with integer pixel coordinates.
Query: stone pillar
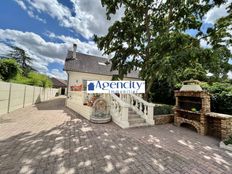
(205, 102)
(124, 115)
(150, 119)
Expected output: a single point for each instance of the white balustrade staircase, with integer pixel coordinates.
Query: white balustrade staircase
(135, 120)
(130, 110)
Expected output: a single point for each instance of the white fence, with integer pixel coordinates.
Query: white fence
(14, 96)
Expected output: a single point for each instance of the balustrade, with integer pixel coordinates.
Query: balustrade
(119, 111)
(140, 106)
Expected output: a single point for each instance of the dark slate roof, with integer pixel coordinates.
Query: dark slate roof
(58, 83)
(91, 64)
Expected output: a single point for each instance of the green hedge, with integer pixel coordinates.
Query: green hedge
(221, 96)
(162, 109)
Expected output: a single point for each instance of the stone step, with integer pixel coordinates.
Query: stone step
(139, 125)
(132, 112)
(133, 116)
(136, 120)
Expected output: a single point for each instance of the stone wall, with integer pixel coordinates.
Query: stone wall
(75, 102)
(214, 127)
(221, 124)
(226, 129)
(163, 119)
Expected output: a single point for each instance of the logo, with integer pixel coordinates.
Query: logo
(116, 86)
(90, 87)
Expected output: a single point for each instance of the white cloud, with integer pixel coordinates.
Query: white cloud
(89, 18)
(32, 15)
(204, 44)
(57, 74)
(34, 44)
(4, 49)
(41, 51)
(21, 4)
(83, 47)
(217, 12)
(29, 11)
(94, 15)
(230, 75)
(44, 52)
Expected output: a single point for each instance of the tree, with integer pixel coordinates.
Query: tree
(219, 37)
(22, 58)
(8, 69)
(151, 36)
(34, 79)
(46, 82)
(39, 80)
(221, 96)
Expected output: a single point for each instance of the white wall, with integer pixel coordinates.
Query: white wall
(75, 99)
(76, 78)
(75, 102)
(14, 96)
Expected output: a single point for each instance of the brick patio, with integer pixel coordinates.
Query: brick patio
(48, 138)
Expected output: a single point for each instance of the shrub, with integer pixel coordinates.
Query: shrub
(162, 88)
(228, 140)
(57, 94)
(221, 99)
(39, 80)
(8, 69)
(163, 109)
(34, 79)
(20, 79)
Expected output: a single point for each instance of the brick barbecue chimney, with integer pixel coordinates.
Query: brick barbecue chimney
(74, 51)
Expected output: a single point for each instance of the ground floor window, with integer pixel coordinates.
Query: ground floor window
(84, 83)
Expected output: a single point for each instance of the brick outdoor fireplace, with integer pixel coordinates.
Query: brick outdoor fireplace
(193, 110)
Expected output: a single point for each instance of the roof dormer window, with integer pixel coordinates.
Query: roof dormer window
(102, 63)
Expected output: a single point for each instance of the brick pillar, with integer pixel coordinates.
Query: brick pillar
(205, 108)
(203, 124)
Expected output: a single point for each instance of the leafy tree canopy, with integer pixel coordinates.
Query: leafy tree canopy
(22, 58)
(151, 36)
(8, 69)
(18, 69)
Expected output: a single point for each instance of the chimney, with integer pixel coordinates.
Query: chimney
(74, 51)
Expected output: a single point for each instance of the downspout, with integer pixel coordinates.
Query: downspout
(67, 89)
(67, 84)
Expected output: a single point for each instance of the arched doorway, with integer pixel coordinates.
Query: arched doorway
(189, 126)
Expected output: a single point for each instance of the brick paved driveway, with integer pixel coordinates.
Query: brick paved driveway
(48, 138)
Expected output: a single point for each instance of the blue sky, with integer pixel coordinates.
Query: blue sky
(46, 29)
